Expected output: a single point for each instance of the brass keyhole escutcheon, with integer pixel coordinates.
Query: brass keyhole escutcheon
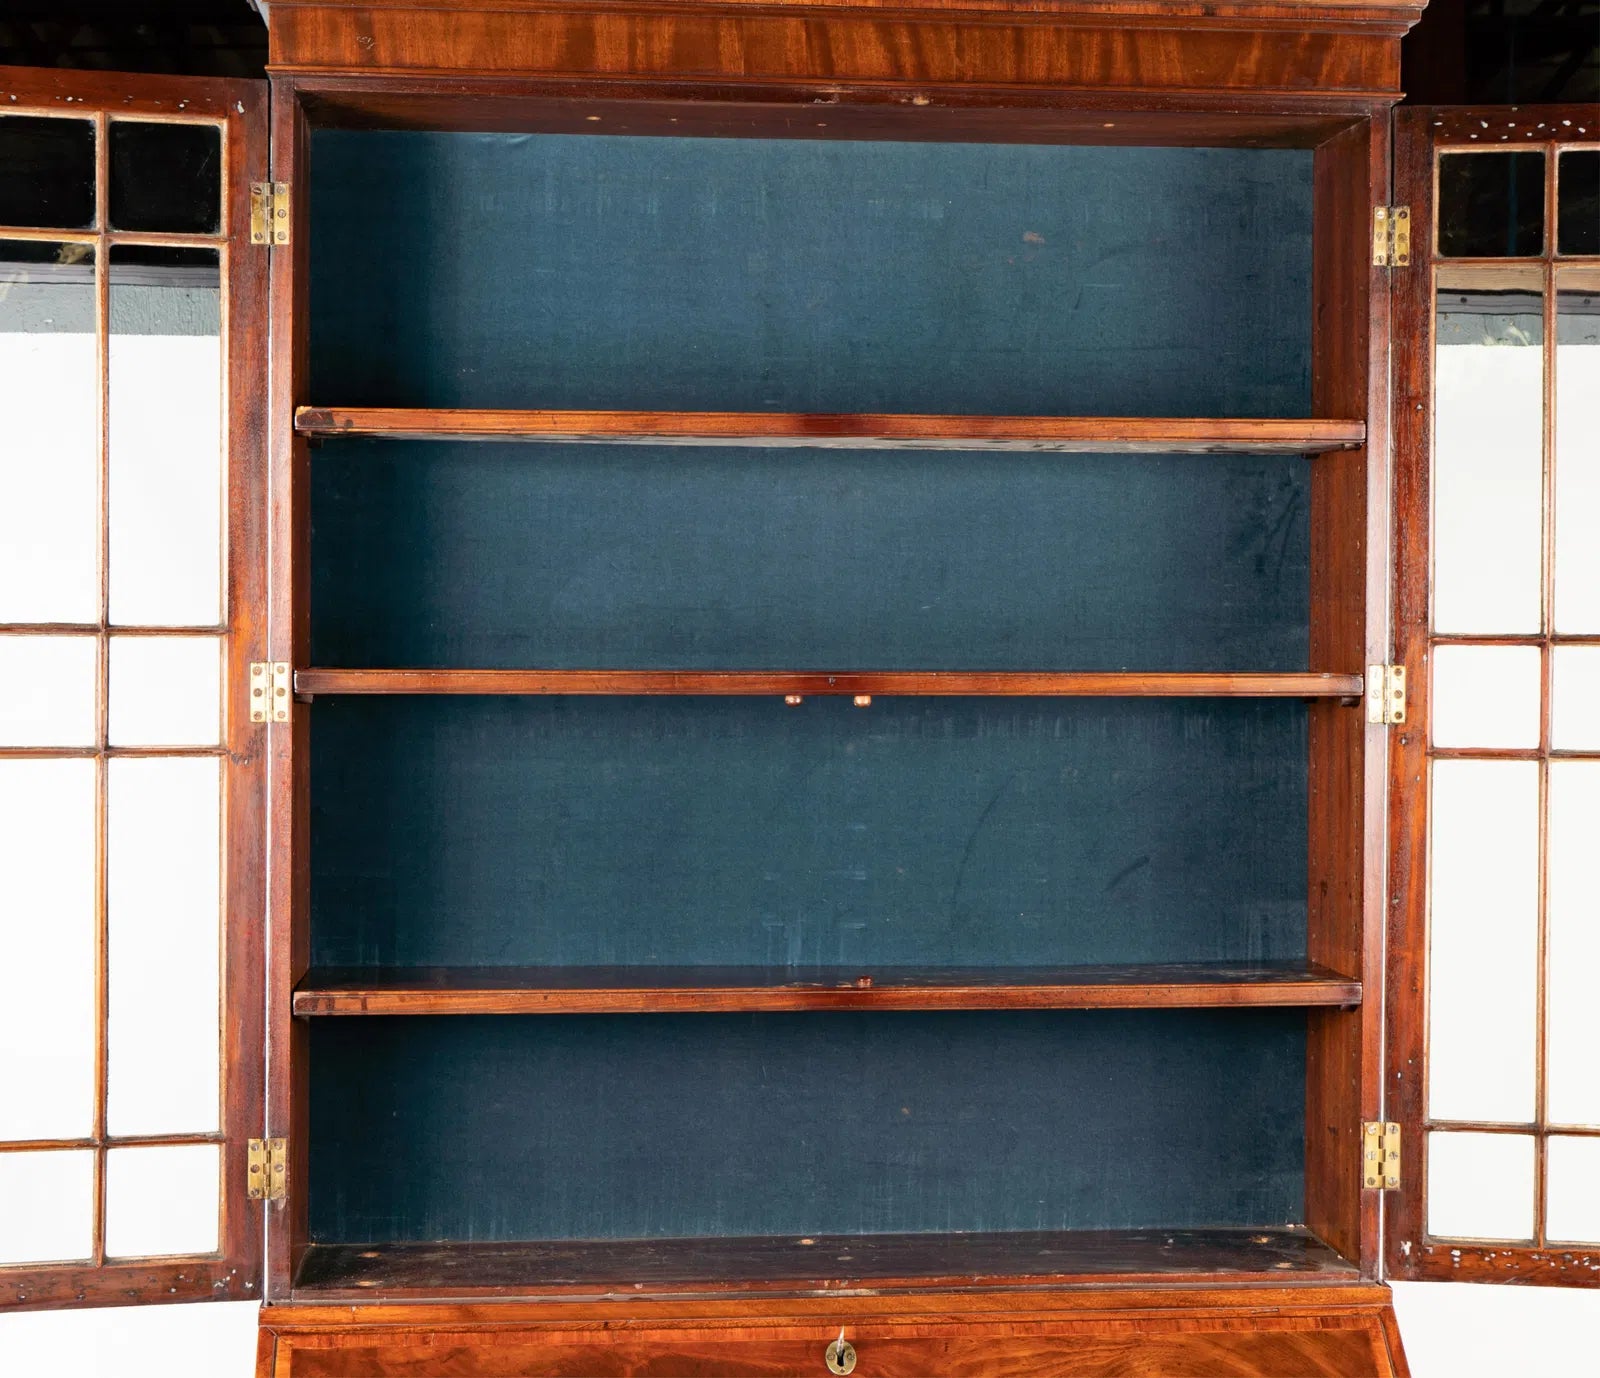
(840, 1356)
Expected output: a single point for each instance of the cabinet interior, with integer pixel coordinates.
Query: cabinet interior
(692, 983)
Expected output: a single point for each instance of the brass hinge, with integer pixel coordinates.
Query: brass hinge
(270, 690)
(1386, 693)
(269, 212)
(268, 1169)
(1391, 236)
(1380, 1155)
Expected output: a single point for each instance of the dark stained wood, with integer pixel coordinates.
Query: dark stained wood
(708, 1267)
(1303, 1329)
(1093, 435)
(289, 594)
(777, 110)
(233, 1272)
(1348, 560)
(575, 990)
(311, 682)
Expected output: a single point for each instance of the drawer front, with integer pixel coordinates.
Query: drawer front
(1345, 1345)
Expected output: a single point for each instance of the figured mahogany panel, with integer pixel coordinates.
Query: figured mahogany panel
(1265, 1330)
(1147, 50)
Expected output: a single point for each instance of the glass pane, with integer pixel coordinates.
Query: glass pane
(1575, 698)
(49, 433)
(166, 690)
(1572, 1070)
(47, 921)
(164, 917)
(166, 177)
(1488, 461)
(1577, 452)
(1578, 209)
(1486, 696)
(1491, 205)
(161, 1200)
(47, 690)
(46, 1206)
(1572, 1187)
(1483, 940)
(46, 172)
(166, 438)
(1480, 1186)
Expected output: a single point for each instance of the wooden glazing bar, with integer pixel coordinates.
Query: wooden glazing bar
(310, 682)
(657, 990)
(1091, 434)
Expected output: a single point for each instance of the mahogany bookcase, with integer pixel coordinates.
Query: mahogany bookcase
(825, 687)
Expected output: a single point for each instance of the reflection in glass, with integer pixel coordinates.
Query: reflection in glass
(1491, 205)
(166, 437)
(1480, 1186)
(1488, 460)
(1485, 696)
(1577, 451)
(46, 172)
(48, 693)
(47, 950)
(166, 690)
(166, 177)
(1483, 940)
(1572, 1074)
(1572, 1184)
(161, 1200)
(163, 834)
(1578, 202)
(46, 1206)
(1575, 699)
(49, 433)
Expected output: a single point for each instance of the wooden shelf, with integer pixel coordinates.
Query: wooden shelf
(708, 989)
(757, 683)
(686, 1267)
(1091, 434)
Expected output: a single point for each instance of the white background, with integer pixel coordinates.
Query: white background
(1451, 1330)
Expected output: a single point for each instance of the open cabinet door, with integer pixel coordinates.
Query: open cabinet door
(1494, 941)
(132, 362)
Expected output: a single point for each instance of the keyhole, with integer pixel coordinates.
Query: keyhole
(840, 1356)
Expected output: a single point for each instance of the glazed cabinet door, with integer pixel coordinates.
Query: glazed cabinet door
(132, 361)
(1495, 787)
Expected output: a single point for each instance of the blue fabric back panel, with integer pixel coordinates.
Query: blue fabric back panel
(568, 271)
(968, 832)
(431, 554)
(641, 1126)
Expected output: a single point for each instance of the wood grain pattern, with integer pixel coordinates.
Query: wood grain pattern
(1313, 685)
(1092, 435)
(1151, 52)
(1301, 1329)
(289, 600)
(578, 990)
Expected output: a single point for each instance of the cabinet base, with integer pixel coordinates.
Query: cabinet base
(1275, 1332)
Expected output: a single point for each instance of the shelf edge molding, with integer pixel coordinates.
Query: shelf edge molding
(801, 684)
(1067, 434)
(690, 990)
